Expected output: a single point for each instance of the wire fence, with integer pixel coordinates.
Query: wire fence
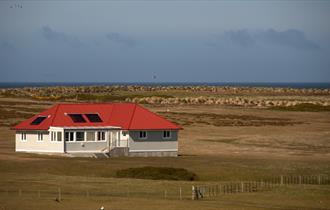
(179, 192)
(208, 191)
(60, 193)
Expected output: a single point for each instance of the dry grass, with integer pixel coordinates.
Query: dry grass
(184, 118)
(220, 144)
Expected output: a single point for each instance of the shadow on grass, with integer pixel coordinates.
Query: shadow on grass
(157, 173)
(304, 107)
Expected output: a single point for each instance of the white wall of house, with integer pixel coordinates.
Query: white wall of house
(154, 142)
(124, 138)
(92, 143)
(54, 140)
(37, 141)
(94, 140)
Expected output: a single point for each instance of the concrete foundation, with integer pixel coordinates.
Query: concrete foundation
(153, 154)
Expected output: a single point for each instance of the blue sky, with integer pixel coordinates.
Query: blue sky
(176, 41)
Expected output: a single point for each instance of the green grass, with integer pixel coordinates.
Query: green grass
(157, 173)
(304, 107)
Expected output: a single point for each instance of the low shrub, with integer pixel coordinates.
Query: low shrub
(157, 173)
(304, 107)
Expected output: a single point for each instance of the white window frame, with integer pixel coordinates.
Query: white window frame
(102, 135)
(40, 137)
(169, 136)
(53, 136)
(84, 133)
(23, 136)
(69, 139)
(124, 133)
(59, 136)
(94, 134)
(144, 137)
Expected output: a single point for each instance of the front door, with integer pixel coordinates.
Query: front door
(114, 139)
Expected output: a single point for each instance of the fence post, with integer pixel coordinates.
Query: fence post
(165, 194)
(180, 193)
(281, 179)
(39, 195)
(242, 187)
(19, 192)
(193, 193)
(59, 194)
(194, 196)
(87, 194)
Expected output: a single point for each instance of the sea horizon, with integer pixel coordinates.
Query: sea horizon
(319, 85)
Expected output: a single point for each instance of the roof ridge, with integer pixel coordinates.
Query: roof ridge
(130, 122)
(55, 113)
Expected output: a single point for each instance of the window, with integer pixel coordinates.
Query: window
(40, 136)
(23, 136)
(80, 136)
(59, 136)
(93, 117)
(124, 133)
(167, 134)
(77, 118)
(100, 135)
(90, 135)
(38, 120)
(143, 134)
(68, 136)
(51, 136)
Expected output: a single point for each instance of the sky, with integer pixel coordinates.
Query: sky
(165, 41)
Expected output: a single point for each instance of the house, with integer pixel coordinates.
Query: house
(110, 129)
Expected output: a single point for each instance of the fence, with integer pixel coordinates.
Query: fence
(180, 191)
(203, 191)
(61, 193)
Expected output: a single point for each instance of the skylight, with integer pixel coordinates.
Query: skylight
(77, 118)
(38, 120)
(93, 117)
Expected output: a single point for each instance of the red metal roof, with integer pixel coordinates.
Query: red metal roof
(127, 116)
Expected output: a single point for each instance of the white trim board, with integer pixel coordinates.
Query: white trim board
(86, 151)
(87, 127)
(155, 150)
(41, 151)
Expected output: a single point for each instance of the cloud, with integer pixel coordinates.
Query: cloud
(121, 39)
(54, 36)
(291, 38)
(240, 37)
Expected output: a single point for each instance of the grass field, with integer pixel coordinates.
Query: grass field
(220, 144)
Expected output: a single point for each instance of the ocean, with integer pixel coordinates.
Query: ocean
(231, 84)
